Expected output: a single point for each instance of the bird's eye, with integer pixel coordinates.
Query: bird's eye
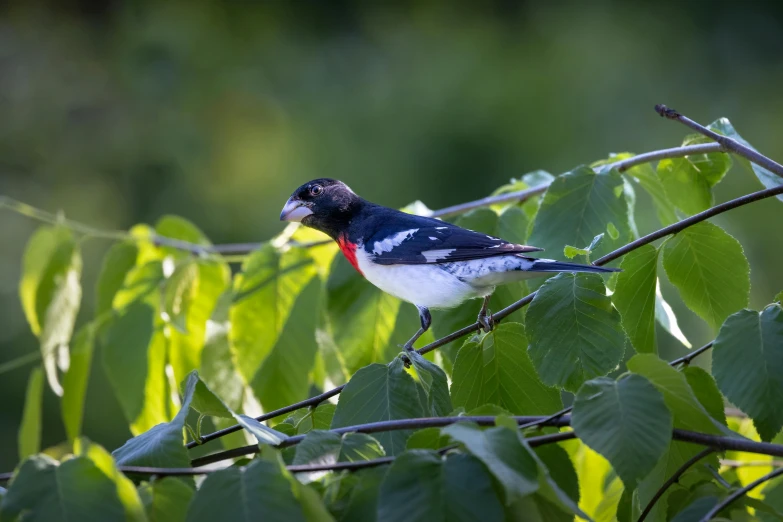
(316, 190)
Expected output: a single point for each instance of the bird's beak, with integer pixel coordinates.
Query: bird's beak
(294, 210)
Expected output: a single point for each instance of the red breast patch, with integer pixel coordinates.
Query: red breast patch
(349, 251)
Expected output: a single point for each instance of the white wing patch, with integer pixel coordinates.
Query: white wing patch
(433, 255)
(392, 241)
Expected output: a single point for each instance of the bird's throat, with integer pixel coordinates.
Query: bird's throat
(349, 251)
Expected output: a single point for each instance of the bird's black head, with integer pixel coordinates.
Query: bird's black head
(323, 204)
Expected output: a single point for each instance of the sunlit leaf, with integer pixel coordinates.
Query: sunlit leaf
(119, 260)
(435, 383)
(634, 297)
(646, 176)
(30, 428)
(50, 291)
(666, 318)
(498, 371)
(574, 331)
(710, 270)
(325, 447)
(75, 381)
(380, 392)
(422, 486)
(626, 421)
(747, 362)
(578, 206)
(264, 294)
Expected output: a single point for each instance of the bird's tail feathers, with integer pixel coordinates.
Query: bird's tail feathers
(549, 265)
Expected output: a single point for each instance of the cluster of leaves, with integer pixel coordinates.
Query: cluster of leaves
(296, 320)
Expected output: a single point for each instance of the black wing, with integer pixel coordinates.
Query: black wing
(427, 243)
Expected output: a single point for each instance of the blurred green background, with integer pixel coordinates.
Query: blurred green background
(119, 112)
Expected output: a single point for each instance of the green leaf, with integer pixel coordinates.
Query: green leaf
(578, 206)
(264, 294)
(747, 362)
(326, 447)
(119, 260)
(380, 392)
(318, 419)
(435, 383)
(283, 378)
(421, 486)
(162, 445)
(75, 381)
(646, 176)
(574, 330)
(666, 318)
(134, 358)
(767, 178)
(77, 489)
(30, 429)
(710, 270)
(260, 491)
(166, 499)
(498, 371)
(499, 448)
(688, 180)
(625, 421)
(50, 292)
(634, 297)
(706, 391)
(217, 365)
(561, 469)
(179, 228)
(141, 283)
(360, 316)
(687, 412)
(427, 438)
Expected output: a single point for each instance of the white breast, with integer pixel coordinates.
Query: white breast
(423, 285)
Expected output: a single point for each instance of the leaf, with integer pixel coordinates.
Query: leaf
(75, 381)
(666, 318)
(435, 383)
(179, 228)
(688, 180)
(30, 429)
(578, 206)
(499, 449)
(427, 438)
(134, 357)
(687, 411)
(361, 317)
(747, 362)
(263, 433)
(77, 489)
(626, 421)
(166, 499)
(574, 331)
(710, 270)
(50, 292)
(260, 491)
(141, 283)
(162, 445)
(264, 294)
(380, 392)
(498, 371)
(706, 391)
(646, 176)
(634, 297)
(217, 366)
(421, 486)
(117, 262)
(283, 377)
(326, 447)
(767, 178)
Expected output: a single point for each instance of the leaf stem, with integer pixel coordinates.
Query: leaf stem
(20, 361)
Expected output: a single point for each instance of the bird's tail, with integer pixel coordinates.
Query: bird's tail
(549, 265)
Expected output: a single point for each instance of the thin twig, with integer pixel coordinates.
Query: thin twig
(519, 195)
(727, 142)
(750, 463)
(739, 493)
(687, 358)
(673, 479)
(20, 361)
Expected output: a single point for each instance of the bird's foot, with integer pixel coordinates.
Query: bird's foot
(486, 322)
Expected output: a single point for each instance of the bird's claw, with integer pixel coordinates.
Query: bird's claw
(486, 322)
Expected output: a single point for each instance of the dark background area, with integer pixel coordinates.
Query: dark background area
(117, 113)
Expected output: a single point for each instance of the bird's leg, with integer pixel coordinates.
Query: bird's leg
(426, 321)
(484, 318)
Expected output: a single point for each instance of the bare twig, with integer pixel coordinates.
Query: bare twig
(739, 493)
(519, 195)
(751, 463)
(728, 143)
(673, 479)
(687, 358)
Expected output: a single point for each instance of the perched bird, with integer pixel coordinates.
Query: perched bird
(421, 260)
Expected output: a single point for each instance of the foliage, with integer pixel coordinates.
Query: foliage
(186, 344)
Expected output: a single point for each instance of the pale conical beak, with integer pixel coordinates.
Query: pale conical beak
(294, 210)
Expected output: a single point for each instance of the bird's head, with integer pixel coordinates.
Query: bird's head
(323, 204)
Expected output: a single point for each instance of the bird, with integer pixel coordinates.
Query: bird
(430, 263)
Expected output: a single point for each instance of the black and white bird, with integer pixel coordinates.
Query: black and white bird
(421, 260)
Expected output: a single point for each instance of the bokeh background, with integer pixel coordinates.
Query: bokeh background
(118, 112)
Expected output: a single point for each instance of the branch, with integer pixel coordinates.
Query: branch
(727, 143)
(739, 493)
(685, 359)
(674, 478)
